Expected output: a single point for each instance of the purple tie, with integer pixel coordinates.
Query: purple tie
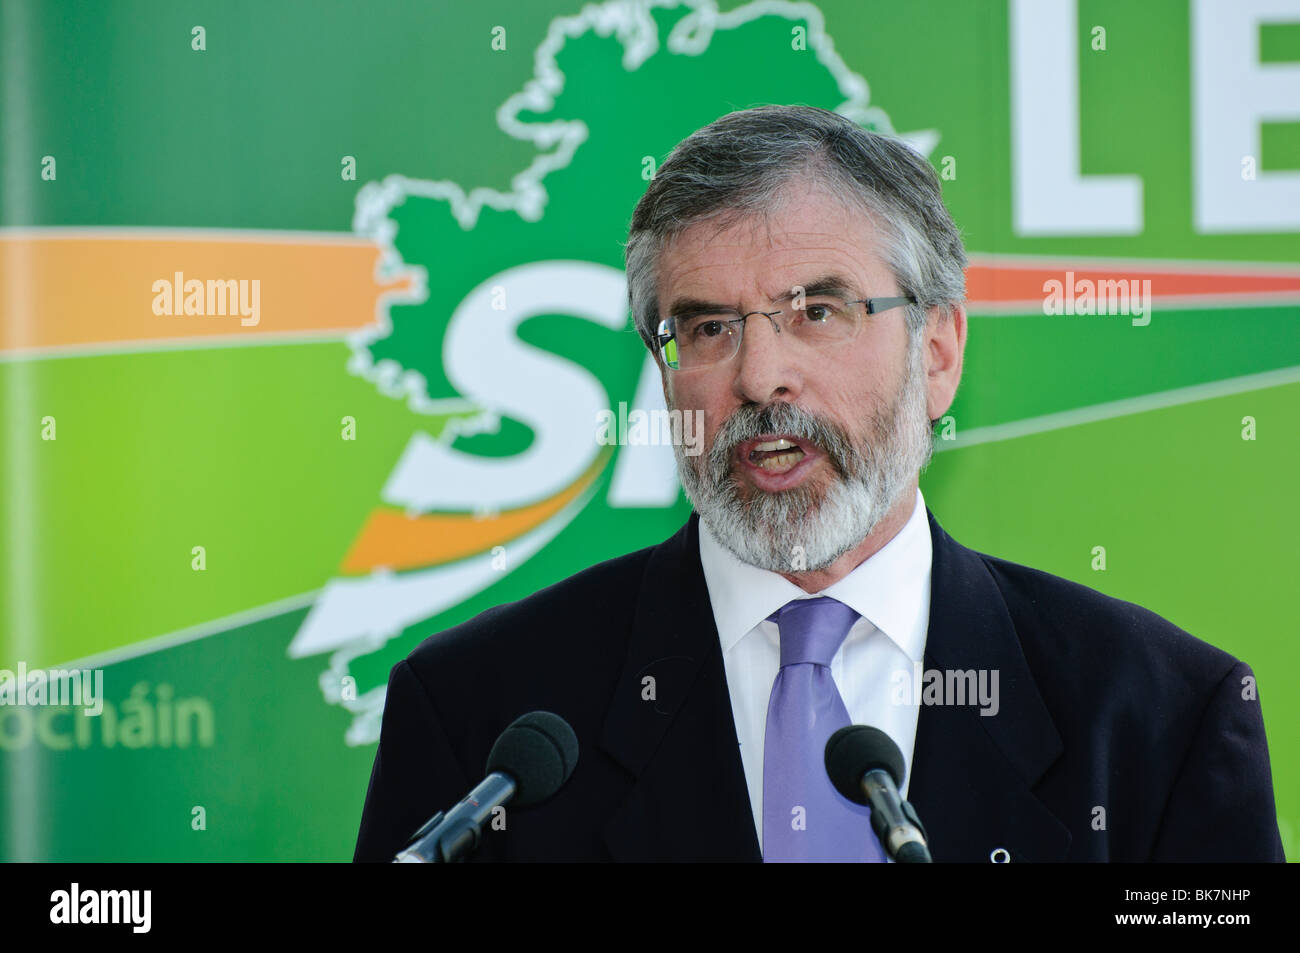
(804, 817)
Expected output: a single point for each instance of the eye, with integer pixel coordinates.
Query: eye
(700, 328)
(818, 313)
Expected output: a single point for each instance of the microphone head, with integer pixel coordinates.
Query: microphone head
(856, 749)
(539, 751)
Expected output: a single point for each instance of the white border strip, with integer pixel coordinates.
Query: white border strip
(1120, 408)
(193, 633)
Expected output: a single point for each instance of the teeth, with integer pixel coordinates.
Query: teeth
(781, 444)
(781, 461)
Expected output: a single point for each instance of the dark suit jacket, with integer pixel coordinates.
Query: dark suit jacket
(1119, 736)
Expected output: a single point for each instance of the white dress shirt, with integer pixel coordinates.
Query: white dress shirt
(890, 591)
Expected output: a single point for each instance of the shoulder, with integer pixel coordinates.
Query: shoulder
(1134, 696)
(1108, 658)
(1071, 614)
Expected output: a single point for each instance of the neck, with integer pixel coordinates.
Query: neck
(815, 580)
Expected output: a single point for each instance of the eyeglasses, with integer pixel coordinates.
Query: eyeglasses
(702, 339)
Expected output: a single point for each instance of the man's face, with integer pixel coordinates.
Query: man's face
(857, 413)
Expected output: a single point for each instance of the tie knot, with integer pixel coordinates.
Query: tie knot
(812, 630)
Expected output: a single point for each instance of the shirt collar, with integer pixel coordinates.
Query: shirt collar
(891, 588)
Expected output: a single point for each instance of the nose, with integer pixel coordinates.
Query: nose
(765, 367)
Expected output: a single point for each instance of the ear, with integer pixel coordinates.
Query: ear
(945, 344)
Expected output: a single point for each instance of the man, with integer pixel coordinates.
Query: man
(799, 280)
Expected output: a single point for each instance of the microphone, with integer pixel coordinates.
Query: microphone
(528, 763)
(866, 767)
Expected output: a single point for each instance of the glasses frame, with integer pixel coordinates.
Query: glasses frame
(663, 337)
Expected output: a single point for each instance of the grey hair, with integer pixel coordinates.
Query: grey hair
(737, 167)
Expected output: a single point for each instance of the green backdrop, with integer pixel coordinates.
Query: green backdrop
(1071, 433)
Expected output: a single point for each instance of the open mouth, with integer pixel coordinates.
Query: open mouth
(775, 453)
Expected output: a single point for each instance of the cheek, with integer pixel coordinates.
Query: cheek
(689, 395)
(869, 383)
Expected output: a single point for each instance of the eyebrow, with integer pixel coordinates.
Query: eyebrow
(830, 284)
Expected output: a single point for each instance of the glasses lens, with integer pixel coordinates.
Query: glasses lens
(824, 321)
(703, 339)
(670, 353)
(700, 340)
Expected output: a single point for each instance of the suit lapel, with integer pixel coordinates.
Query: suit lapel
(973, 774)
(670, 724)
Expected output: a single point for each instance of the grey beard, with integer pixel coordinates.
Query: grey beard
(808, 528)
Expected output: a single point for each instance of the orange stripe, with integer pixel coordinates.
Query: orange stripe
(87, 290)
(392, 540)
(1013, 282)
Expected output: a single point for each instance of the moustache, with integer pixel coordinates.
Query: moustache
(749, 422)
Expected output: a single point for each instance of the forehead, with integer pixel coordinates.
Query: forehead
(808, 234)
